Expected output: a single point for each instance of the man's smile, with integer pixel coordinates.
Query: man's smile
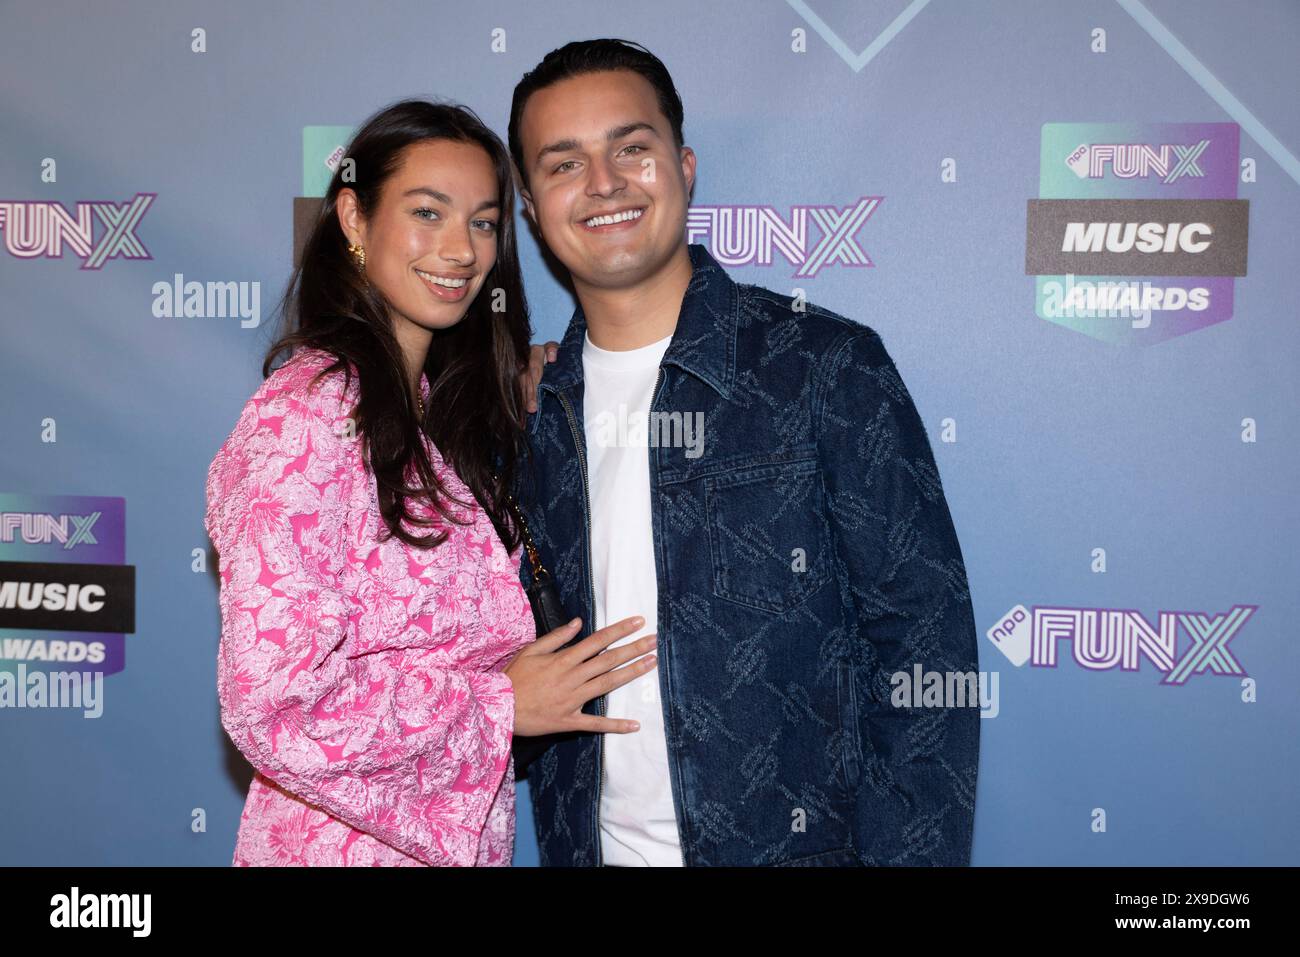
(614, 220)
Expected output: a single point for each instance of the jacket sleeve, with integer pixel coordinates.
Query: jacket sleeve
(314, 688)
(898, 550)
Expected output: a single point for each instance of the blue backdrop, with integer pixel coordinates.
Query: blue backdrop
(1123, 486)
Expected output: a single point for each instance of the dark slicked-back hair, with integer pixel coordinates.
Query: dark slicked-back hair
(593, 56)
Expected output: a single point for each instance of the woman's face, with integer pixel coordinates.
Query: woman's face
(433, 238)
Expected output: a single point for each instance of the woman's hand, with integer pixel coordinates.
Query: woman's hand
(538, 356)
(552, 685)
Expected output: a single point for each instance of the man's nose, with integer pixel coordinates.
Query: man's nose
(606, 178)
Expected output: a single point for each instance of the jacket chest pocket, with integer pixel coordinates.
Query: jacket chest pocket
(768, 536)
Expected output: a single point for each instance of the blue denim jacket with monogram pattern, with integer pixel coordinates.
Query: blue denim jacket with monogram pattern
(803, 559)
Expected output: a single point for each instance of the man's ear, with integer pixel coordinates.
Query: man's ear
(350, 219)
(528, 205)
(688, 168)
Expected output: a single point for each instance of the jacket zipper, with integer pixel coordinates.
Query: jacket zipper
(663, 698)
(580, 444)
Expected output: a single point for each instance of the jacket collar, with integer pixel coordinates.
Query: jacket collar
(703, 344)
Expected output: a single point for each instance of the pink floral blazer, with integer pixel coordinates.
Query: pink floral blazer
(362, 679)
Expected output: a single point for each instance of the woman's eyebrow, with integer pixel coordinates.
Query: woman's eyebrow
(446, 200)
(440, 197)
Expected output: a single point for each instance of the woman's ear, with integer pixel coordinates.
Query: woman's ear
(350, 219)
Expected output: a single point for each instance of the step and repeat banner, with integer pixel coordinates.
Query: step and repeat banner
(1072, 224)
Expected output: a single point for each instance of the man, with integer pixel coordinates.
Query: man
(750, 475)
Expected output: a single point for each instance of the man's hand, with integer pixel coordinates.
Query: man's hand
(538, 356)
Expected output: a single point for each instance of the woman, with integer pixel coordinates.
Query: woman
(377, 649)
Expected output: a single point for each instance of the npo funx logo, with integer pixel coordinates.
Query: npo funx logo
(1101, 639)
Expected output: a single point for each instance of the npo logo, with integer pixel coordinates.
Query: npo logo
(1102, 639)
(810, 238)
(1137, 234)
(323, 150)
(97, 232)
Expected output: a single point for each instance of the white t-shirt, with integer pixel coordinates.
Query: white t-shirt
(638, 823)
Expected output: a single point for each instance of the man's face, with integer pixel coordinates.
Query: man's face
(597, 146)
(433, 238)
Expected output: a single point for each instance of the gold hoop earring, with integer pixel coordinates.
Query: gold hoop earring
(359, 254)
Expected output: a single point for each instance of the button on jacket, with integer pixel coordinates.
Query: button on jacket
(804, 556)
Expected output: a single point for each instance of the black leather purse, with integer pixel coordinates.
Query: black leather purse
(549, 614)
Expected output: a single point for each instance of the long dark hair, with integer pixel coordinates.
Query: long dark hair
(474, 411)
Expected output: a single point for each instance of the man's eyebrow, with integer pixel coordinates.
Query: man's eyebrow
(613, 133)
(446, 200)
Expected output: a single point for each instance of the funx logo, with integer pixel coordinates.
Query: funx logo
(36, 229)
(43, 528)
(751, 235)
(1169, 161)
(1102, 639)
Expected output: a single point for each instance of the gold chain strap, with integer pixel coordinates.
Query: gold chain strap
(534, 558)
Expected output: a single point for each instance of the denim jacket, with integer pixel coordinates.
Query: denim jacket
(805, 557)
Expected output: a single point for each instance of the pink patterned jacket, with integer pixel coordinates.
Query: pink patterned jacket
(362, 679)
